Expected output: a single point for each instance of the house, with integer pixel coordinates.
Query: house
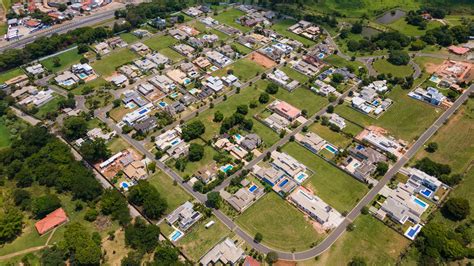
(116, 42)
(138, 115)
(190, 69)
(202, 62)
(188, 30)
(207, 173)
(285, 110)
(230, 80)
(133, 96)
(178, 34)
(218, 59)
(401, 205)
(23, 92)
(378, 85)
(184, 49)
(306, 68)
(251, 142)
(458, 50)
(157, 58)
(51, 221)
(225, 253)
(177, 76)
(420, 179)
(193, 12)
(387, 144)
(158, 23)
(277, 122)
(82, 70)
(214, 83)
(146, 124)
(168, 139)
(311, 141)
(136, 170)
(118, 79)
(163, 83)
(140, 48)
(38, 99)
(184, 216)
(228, 30)
(280, 78)
(102, 48)
(97, 133)
(144, 64)
(35, 69)
(315, 207)
(209, 21)
(244, 197)
(145, 88)
(187, 99)
(430, 95)
(67, 78)
(195, 42)
(140, 33)
(337, 120)
(323, 88)
(209, 38)
(277, 179)
(130, 71)
(250, 261)
(287, 164)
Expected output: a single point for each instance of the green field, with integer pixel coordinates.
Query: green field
(382, 66)
(244, 69)
(425, 61)
(66, 59)
(405, 119)
(109, 63)
(193, 167)
(324, 132)
(283, 226)
(228, 17)
(242, 49)
(171, 54)
(402, 26)
(129, 37)
(332, 185)
(160, 42)
(338, 61)
(282, 28)
(293, 74)
(4, 136)
(49, 107)
(377, 243)
(302, 98)
(358, 8)
(4, 76)
(174, 194)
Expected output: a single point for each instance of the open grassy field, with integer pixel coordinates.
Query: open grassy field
(281, 27)
(109, 63)
(51, 106)
(338, 61)
(244, 69)
(4, 136)
(335, 138)
(66, 59)
(402, 26)
(160, 42)
(4, 76)
(129, 37)
(293, 74)
(382, 66)
(302, 98)
(405, 119)
(358, 8)
(455, 142)
(228, 17)
(371, 239)
(117, 144)
(427, 62)
(171, 54)
(174, 194)
(242, 49)
(282, 225)
(332, 185)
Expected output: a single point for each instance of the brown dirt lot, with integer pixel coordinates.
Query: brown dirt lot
(262, 60)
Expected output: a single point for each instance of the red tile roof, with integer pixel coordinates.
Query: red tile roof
(458, 50)
(249, 261)
(51, 220)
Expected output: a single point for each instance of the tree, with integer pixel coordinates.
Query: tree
(95, 150)
(146, 195)
(84, 250)
(133, 258)
(193, 130)
(62, 7)
(52, 256)
(141, 236)
(432, 147)
(74, 127)
(114, 204)
(357, 28)
(398, 57)
(218, 116)
(337, 78)
(382, 168)
(44, 205)
(353, 45)
(151, 167)
(330, 109)
(258, 237)
(82, 48)
(213, 199)
(272, 257)
(457, 208)
(358, 261)
(22, 198)
(56, 61)
(433, 168)
(272, 88)
(417, 45)
(242, 109)
(264, 98)
(196, 152)
(11, 223)
(166, 254)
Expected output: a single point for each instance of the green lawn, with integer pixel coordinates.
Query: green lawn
(171, 54)
(402, 26)
(244, 69)
(117, 144)
(293, 74)
(228, 17)
(454, 139)
(109, 63)
(242, 49)
(371, 239)
(51, 106)
(160, 42)
(302, 98)
(222, 36)
(193, 167)
(129, 37)
(407, 118)
(66, 59)
(283, 226)
(174, 194)
(282, 28)
(4, 136)
(332, 185)
(324, 132)
(338, 61)
(425, 61)
(4, 76)
(382, 66)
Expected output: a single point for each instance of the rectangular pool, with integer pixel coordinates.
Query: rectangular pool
(426, 192)
(176, 235)
(253, 188)
(282, 184)
(420, 202)
(331, 149)
(226, 168)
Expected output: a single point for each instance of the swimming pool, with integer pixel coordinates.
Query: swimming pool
(162, 104)
(238, 137)
(375, 103)
(187, 81)
(193, 91)
(301, 176)
(124, 185)
(426, 192)
(143, 111)
(68, 82)
(176, 235)
(174, 95)
(331, 149)
(82, 75)
(320, 55)
(435, 79)
(412, 231)
(420, 203)
(226, 168)
(253, 188)
(282, 184)
(174, 142)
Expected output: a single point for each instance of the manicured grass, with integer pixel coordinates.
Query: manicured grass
(324, 132)
(117, 144)
(402, 26)
(244, 69)
(66, 59)
(4, 136)
(338, 61)
(222, 36)
(332, 185)
(193, 167)
(200, 240)
(454, 139)
(282, 28)
(242, 49)
(228, 17)
(51, 106)
(377, 243)
(198, 26)
(129, 37)
(160, 42)
(293, 74)
(174, 194)
(407, 118)
(283, 226)
(302, 98)
(109, 63)
(4, 76)
(171, 54)
(382, 66)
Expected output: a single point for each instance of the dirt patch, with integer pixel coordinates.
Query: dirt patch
(102, 222)
(115, 249)
(262, 60)
(431, 67)
(285, 263)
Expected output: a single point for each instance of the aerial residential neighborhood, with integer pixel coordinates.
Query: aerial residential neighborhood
(269, 133)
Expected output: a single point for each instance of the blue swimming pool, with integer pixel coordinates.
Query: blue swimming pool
(82, 75)
(143, 111)
(124, 185)
(331, 149)
(253, 188)
(301, 177)
(420, 202)
(282, 184)
(226, 168)
(320, 55)
(176, 235)
(174, 95)
(187, 81)
(174, 142)
(162, 104)
(238, 137)
(426, 192)
(413, 231)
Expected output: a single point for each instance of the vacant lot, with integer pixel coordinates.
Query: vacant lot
(332, 185)
(174, 194)
(335, 138)
(49, 107)
(382, 66)
(66, 59)
(293, 74)
(244, 69)
(228, 17)
(129, 37)
(282, 28)
(428, 63)
(302, 99)
(402, 26)
(282, 225)
(109, 63)
(338, 61)
(407, 118)
(4, 76)
(158, 43)
(171, 54)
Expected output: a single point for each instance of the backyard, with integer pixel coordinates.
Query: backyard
(107, 65)
(193, 167)
(49, 107)
(331, 184)
(173, 193)
(283, 226)
(66, 59)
